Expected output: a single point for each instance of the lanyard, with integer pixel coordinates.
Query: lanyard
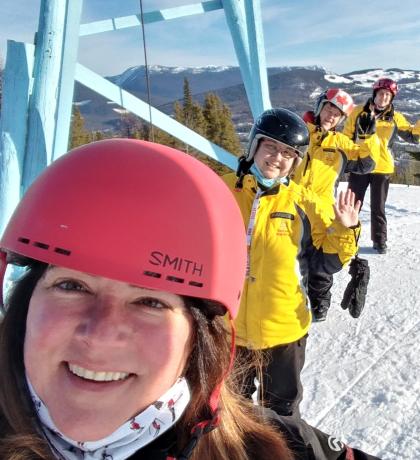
(250, 229)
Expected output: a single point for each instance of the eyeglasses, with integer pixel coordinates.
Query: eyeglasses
(272, 149)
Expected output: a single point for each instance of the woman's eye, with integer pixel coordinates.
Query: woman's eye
(70, 285)
(270, 148)
(152, 303)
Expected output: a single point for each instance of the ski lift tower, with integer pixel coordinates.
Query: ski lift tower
(39, 82)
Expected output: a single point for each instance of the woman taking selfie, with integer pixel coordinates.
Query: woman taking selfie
(113, 344)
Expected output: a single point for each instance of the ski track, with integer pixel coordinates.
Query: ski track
(362, 376)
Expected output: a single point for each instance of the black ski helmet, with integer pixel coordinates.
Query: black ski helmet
(280, 125)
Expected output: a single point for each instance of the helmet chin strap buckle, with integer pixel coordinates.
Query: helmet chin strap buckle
(197, 432)
(3, 266)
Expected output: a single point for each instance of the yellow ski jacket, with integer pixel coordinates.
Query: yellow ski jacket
(330, 154)
(291, 231)
(389, 125)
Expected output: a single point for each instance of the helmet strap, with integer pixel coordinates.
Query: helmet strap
(3, 266)
(204, 427)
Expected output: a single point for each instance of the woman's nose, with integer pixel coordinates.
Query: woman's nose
(105, 322)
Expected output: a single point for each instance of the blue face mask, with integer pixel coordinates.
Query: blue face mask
(261, 179)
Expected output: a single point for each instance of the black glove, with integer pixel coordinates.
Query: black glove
(366, 124)
(355, 293)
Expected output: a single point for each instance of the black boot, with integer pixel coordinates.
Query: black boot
(320, 310)
(380, 248)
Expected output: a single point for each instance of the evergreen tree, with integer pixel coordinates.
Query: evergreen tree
(220, 128)
(190, 113)
(199, 124)
(98, 135)
(162, 137)
(229, 140)
(213, 121)
(78, 133)
(132, 127)
(211, 111)
(178, 112)
(187, 106)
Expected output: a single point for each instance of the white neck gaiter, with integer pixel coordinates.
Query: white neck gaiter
(128, 438)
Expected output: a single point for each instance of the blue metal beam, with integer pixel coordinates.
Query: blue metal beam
(53, 87)
(70, 46)
(257, 56)
(235, 18)
(17, 84)
(247, 40)
(125, 22)
(135, 105)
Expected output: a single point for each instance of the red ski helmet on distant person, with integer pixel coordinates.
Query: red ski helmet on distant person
(337, 97)
(137, 212)
(386, 83)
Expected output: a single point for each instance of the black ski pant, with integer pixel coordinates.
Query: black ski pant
(281, 388)
(319, 289)
(379, 185)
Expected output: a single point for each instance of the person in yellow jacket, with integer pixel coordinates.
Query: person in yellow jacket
(330, 155)
(389, 125)
(288, 229)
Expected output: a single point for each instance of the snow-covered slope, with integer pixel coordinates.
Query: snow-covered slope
(362, 376)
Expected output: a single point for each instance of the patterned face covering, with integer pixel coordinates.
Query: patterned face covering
(128, 438)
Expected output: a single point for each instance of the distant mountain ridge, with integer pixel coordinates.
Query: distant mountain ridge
(295, 88)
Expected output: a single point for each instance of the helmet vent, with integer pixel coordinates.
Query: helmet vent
(152, 274)
(64, 252)
(175, 279)
(195, 283)
(40, 245)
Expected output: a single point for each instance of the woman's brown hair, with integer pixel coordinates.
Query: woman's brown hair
(241, 435)
(19, 438)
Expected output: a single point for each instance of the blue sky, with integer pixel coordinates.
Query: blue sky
(337, 34)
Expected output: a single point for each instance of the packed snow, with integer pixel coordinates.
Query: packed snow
(366, 78)
(362, 376)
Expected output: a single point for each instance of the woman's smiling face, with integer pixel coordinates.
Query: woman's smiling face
(99, 351)
(274, 159)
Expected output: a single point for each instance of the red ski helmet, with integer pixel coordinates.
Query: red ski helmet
(341, 99)
(385, 83)
(137, 212)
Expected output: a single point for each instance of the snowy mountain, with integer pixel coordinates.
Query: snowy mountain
(139, 71)
(362, 376)
(292, 87)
